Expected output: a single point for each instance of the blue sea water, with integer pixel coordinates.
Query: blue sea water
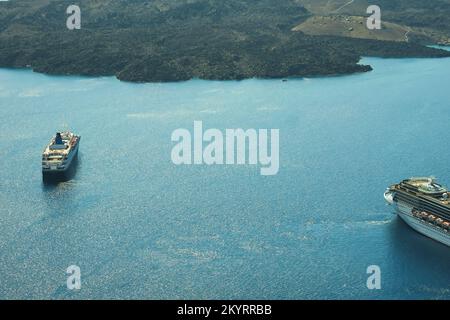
(140, 227)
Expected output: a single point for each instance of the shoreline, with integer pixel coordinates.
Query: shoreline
(370, 68)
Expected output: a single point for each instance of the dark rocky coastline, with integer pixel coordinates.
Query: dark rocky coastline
(154, 41)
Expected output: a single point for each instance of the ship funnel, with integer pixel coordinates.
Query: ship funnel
(58, 138)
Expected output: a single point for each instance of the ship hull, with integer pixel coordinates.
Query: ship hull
(425, 228)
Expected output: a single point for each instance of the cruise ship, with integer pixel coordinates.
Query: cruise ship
(424, 205)
(60, 155)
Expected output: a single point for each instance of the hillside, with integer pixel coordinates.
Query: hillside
(352, 27)
(416, 21)
(137, 40)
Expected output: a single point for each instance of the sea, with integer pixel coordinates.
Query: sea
(140, 227)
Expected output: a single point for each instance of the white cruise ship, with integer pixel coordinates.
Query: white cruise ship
(59, 156)
(424, 205)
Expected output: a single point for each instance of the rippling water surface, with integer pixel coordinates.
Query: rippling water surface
(140, 227)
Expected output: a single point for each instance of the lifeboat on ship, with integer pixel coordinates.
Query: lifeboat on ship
(446, 225)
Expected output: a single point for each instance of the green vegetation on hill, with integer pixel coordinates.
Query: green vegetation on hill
(172, 40)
